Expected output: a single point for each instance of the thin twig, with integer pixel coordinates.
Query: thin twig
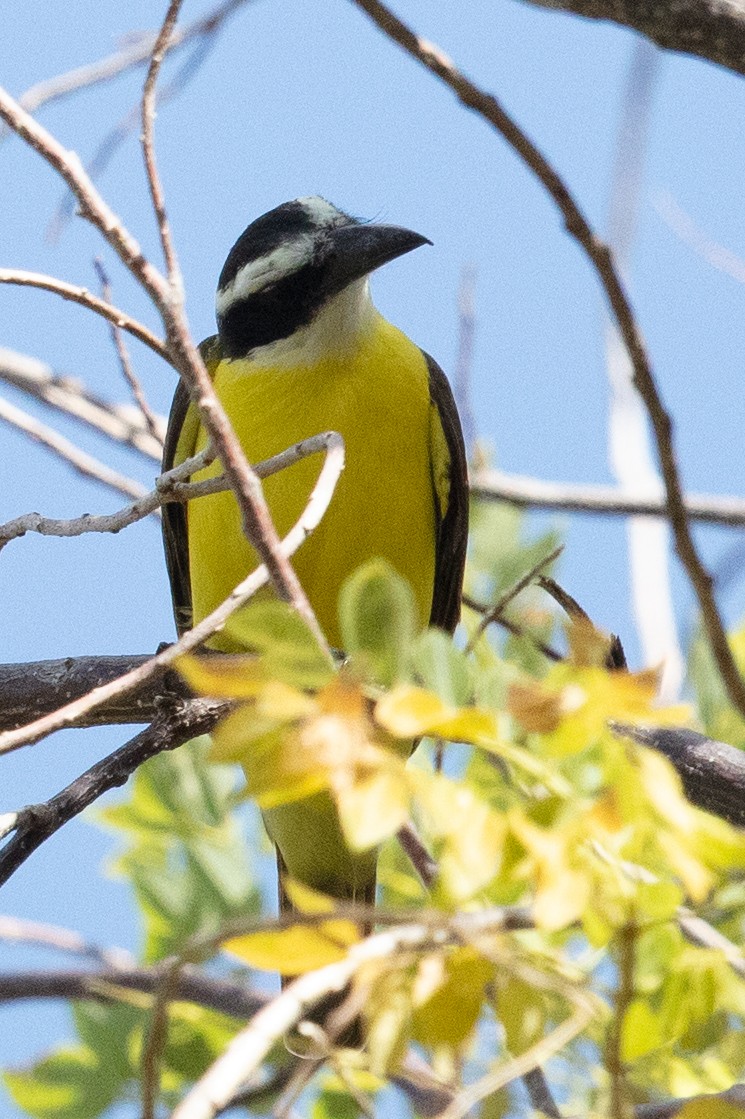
(514, 628)
(248, 1049)
(184, 355)
(16, 930)
(169, 487)
(221, 995)
(160, 47)
(516, 1067)
(121, 422)
(156, 1038)
(85, 298)
(135, 53)
(418, 855)
(165, 491)
(152, 422)
(504, 600)
(577, 225)
(309, 519)
(72, 455)
(534, 493)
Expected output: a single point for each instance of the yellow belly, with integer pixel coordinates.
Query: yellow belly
(377, 397)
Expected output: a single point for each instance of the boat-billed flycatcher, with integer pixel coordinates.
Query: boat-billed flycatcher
(301, 349)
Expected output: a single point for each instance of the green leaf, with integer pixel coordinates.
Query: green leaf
(378, 620)
(330, 1104)
(442, 667)
(642, 1031)
(288, 649)
(69, 1084)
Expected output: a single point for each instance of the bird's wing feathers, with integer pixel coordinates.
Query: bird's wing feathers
(450, 483)
(180, 444)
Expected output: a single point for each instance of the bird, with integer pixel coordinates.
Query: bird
(301, 349)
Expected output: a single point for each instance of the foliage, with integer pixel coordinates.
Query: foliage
(538, 806)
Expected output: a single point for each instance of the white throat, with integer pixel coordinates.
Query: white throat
(335, 330)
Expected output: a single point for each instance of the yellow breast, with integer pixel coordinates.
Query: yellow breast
(377, 397)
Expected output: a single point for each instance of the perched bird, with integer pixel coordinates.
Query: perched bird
(301, 349)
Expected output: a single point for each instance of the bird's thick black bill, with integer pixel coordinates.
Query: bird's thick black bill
(357, 250)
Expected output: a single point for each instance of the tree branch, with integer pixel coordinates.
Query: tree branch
(37, 822)
(135, 54)
(534, 493)
(578, 227)
(121, 422)
(85, 464)
(706, 29)
(193, 986)
(71, 713)
(87, 299)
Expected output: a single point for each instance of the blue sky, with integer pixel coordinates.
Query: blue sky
(295, 100)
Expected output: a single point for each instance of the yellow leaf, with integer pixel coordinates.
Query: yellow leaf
(448, 995)
(222, 676)
(410, 712)
(641, 1031)
(469, 834)
(305, 899)
(295, 950)
(372, 808)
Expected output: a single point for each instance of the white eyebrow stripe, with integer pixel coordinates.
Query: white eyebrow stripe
(321, 212)
(258, 274)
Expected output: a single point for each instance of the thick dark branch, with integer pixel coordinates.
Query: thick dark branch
(37, 822)
(712, 772)
(193, 986)
(28, 691)
(710, 29)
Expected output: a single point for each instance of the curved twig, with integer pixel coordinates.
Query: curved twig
(71, 712)
(578, 227)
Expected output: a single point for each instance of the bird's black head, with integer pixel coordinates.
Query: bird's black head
(289, 263)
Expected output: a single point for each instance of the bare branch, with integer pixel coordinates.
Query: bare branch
(153, 423)
(36, 823)
(160, 47)
(494, 612)
(167, 489)
(702, 28)
(135, 53)
(86, 299)
(70, 713)
(36, 688)
(248, 1049)
(18, 931)
(534, 493)
(487, 107)
(257, 522)
(120, 422)
(79, 460)
(103, 986)
(712, 772)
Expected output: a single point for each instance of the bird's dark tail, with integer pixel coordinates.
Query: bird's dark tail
(330, 1013)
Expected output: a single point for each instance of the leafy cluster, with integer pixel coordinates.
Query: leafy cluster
(538, 810)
